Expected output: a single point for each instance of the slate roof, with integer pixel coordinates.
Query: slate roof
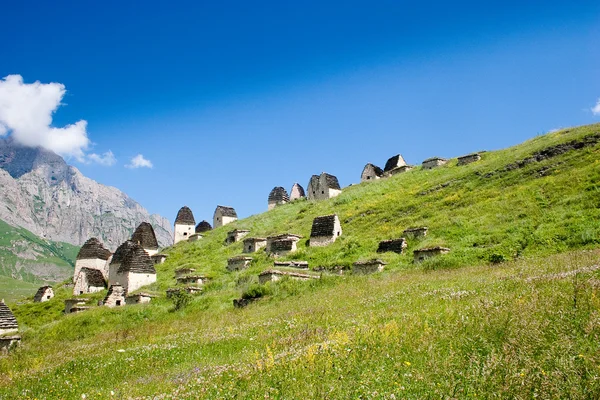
(437, 248)
(185, 217)
(282, 245)
(40, 293)
(395, 245)
(370, 262)
(299, 188)
(394, 162)
(323, 226)
(7, 318)
(226, 211)
(93, 249)
(93, 277)
(331, 181)
(278, 194)
(435, 159)
(145, 237)
(133, 258)
(203, 226)
(378, 171)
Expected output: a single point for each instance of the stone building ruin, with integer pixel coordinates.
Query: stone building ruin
(291, 264)
(185, 225)
(115, 296)
(416, 232)
(284, 237)
(273, 275)
(92, 255)
(75, 305)
(236, 235)
(131, 267)
(434, 162)
(371, 172)
(145, 237)
(468, 159)
(8, 322)
(278, 196)
(252, 245)
(159, 258)
(297, 192)
(368, 267)
(203, 226)
(392, 245)
(423, 254)
(325, 230)
(322, 187)
(224, 215)
(395, 165)
(139, 298)
(238, 263)
(43, 294)
(283, 247)
(89, 281)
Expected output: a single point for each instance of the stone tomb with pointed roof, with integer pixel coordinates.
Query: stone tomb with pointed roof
(322, 187)
(89, 281)
(131, 267)
(224, 215)
(395, 165)
(185, 225)
(277, 197)
(434, 162)
(8, 322)
(252, 245)
(325, 230)
(43, 294)
(371, 172)
(297, 192)
(203, 226)
(145, 237)
(92, 255)
(236, 235)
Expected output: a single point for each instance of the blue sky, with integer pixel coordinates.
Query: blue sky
(229, 99)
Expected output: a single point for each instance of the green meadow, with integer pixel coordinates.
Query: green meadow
(511, 312)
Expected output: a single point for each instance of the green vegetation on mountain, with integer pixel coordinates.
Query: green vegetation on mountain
(29, 258)
(513, 311)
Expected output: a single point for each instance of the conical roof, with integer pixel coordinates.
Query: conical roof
(394, 162)
(278, 194)
(145, 237)
(203, 226)
(93, 249)
(331, 181)
(133, 258)
(7, 318)
(226, 211)
(40, 293)
(297, 192)
(185, 217)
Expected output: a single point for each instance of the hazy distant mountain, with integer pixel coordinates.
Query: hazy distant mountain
(44, 195)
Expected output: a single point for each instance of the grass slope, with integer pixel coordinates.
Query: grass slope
(512, 311)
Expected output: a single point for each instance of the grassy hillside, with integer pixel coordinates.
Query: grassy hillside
(31, 259)
(511, 311)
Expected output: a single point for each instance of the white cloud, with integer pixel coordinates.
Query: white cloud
(596, 108)
(107, 159)
(26, 113)
(139, 162)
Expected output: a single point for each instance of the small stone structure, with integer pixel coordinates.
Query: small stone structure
(43, 294)
(278, 196)
(183, 272)
(281, 247)
(368, 267)
(139, 298)
(193, 289)
(192, 279)
(325, 230)
(145, 237)
(89, 281)
(189, 289)
(394, 163)
(415, 232)
(423, 254)
(194, 237)
(8, 322)
(7, 343)
(131, 267)
(468, 159)
(394, 245)
(283, 236)
(185, 225)
(252, 245)
(434, 162)
(371, 172)
(291, 264)
(159, 258)
(75, 305)
(203, 226)
(297, 192)
(322, 187)
(400, 170)
(273, 275)
(92, 255)
(224, 215)
(115, 296)
(238, 263)
(236, 235)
